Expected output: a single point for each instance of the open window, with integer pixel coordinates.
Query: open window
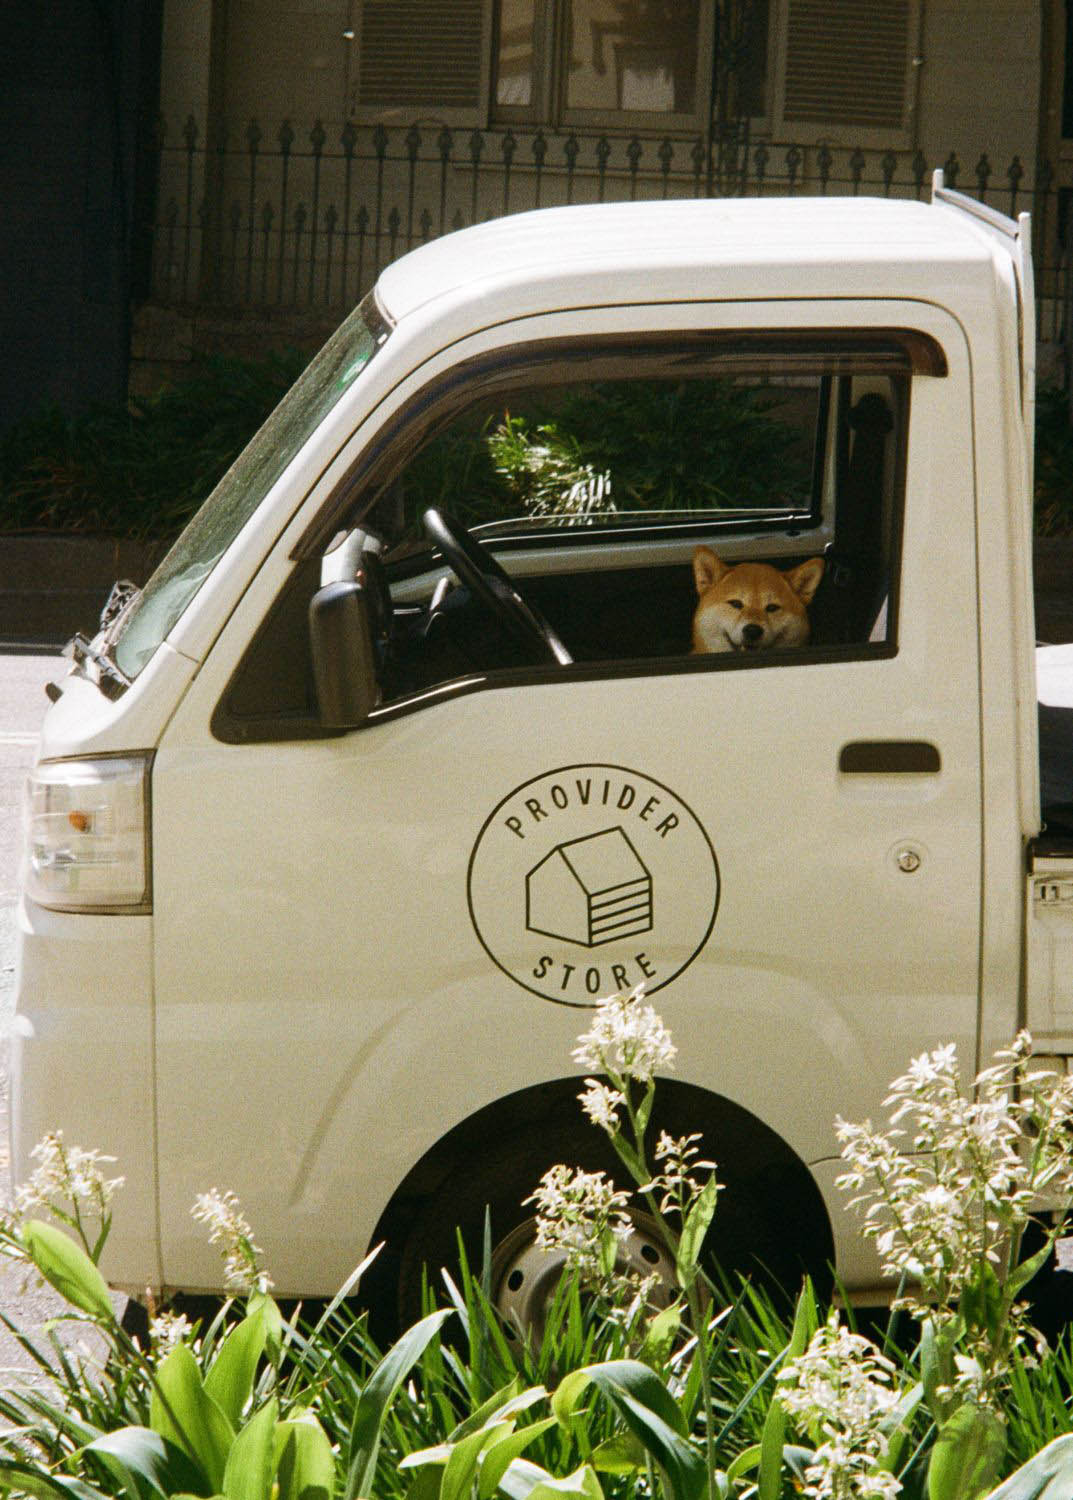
(589, 474)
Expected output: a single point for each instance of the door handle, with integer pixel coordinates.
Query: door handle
(889, 758)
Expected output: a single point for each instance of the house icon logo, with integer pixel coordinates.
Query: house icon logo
(592, 879)
(590, 891)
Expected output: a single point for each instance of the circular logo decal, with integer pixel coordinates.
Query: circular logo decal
(592, 879)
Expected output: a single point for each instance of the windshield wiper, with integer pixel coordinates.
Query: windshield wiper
(110, 679)
(118, 602)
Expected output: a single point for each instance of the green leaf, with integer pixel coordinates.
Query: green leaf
(931, 1371)
(649, 1411)
(305, 1463)
(644, 1109)
(967, 1455)
(621, 1454)
(694, 1229)
(183, 1411)
(261, 1303)
(526, 1481)
(806, 1321)
(489, 1408)
(630, 1157)
(1021, 1275)
(769, 1481)
(439, 1454)
(773, 1436)
(502, 1452)
(745, 1463)
(28, 1479)
(231, 1375)
(425, 1485)
(1048, 1475)
(625, 1374)
(660, 1335)
(141, 1451)
(68, 1268)
(461, 1467)
(251, 1461)
(376, 1398)
(895, 1427)
(981, 1302)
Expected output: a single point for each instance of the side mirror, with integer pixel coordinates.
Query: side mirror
(344, 662)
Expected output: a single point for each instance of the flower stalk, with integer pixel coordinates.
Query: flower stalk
(625, 1047)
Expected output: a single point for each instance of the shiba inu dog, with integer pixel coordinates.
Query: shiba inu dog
(751, 606)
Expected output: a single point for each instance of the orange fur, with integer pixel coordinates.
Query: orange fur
(751, 606)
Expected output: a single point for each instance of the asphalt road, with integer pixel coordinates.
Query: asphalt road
(22, 707)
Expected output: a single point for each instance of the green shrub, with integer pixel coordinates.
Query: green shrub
(1054, 463)
(141, 469)
(622, 1398)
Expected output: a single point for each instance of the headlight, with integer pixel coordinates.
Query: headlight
(87, 835)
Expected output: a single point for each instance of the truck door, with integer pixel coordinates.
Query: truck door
(364, 938)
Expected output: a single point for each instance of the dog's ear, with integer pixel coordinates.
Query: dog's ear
(805, 578)
(707, 568)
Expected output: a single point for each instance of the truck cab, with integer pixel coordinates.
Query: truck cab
(407, 753)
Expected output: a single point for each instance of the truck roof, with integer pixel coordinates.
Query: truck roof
(601, 254)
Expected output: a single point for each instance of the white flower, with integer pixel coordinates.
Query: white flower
(627, 1040)
(577, 1213)
(66, 1175)
(679, 1188)
(950, 1187)
(229, 1229)
(168, 1329)
(602, 1104)
(841, 1388)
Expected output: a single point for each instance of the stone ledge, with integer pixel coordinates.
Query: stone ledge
(53, 585)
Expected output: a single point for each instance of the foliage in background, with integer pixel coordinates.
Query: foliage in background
(139, 469)
(1054, 463)
(616, 446)
(672, 445)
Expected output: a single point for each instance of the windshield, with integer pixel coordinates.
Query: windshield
(199, 548)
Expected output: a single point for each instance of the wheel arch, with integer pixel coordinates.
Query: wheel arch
(770, 1206)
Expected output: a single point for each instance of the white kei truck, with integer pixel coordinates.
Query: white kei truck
(403, 758)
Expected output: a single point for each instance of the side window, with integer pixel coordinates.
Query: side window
(646, 518)
(612, 505)
(615, 452)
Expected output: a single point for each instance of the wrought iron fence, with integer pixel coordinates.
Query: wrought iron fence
(307, 221)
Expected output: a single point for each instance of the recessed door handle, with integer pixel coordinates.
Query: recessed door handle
(889, 758)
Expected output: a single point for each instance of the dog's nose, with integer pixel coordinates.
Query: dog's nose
(750, 634)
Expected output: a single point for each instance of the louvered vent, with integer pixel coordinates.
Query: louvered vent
(421, 53)
(846, 62)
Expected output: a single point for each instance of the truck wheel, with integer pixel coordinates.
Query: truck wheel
(524, 1278)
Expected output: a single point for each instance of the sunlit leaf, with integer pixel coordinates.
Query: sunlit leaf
(68, 1268)
(967, 1455)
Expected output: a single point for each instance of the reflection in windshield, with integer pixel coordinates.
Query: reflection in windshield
(238, 494)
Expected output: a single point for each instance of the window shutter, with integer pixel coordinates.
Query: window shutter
(846, 69)
(421, 54)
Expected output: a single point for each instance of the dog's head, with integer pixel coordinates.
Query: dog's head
(752, 606)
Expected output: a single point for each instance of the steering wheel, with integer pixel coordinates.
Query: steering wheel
(475, 566)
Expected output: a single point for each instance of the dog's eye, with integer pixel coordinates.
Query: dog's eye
(772, 608)
(735, 604)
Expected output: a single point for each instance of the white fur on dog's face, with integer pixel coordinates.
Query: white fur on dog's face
(752, 606)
